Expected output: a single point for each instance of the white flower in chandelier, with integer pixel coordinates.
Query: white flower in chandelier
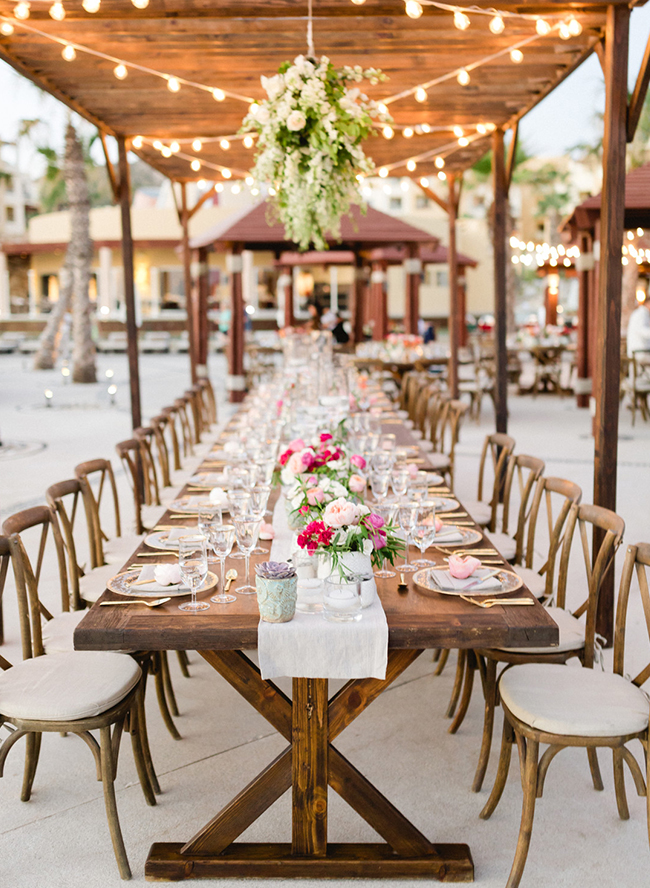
(296, 121)
(273, 86)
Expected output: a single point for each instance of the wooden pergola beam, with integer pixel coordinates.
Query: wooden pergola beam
(431, 194)
(500, 258)
(454, 302)
(638, 96)
(110, 169)
(512, 155)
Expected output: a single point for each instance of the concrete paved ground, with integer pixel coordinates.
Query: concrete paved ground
(401, 743)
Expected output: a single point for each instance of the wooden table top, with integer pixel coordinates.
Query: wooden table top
(415, 620)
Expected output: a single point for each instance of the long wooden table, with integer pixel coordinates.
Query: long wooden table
(310, 722)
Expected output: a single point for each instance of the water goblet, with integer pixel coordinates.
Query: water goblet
(388, 442)
(246, 530)
(239, 501)
(379, 484)
(407, 515)
(387, 511)
(400, 480)
(425, 530)
(208, 515)
(193, 563)
(382, 460)
(257, 509)
(222, 539)
(419, 486)
(239, 477)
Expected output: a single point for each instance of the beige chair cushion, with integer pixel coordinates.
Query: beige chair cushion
(58, 633)
(118, 549)
(67, 686)
(480, 512)
(425, 446)
(568, 701)
(535, 582)
(572, 634)
(92, 586)
(438, 460)
(504, 543)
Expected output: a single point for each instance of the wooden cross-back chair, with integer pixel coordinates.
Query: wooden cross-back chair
(181, 405)
(499, 448)
(209, 401)
(194, 403)
(637, 384)
(434, 416)
(67, 691)
(159, 425)
(586, 708)
(172, 427)
(86, 472)
(525, 471)
(577, 639)
(443, 459)
(130, 454)
(150, 486)
(4, 567)
(63, 498)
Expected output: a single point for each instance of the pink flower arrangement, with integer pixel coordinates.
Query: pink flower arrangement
(358, 461)
(357, 483)
(315, 495)
(341, 513)
(315, 536)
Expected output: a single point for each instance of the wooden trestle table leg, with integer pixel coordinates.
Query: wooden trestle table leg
(310, 722)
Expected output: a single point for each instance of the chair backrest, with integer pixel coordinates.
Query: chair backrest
(130, 454)
(547, 493)
(209, 399)
(193, 401)
(452, 416)
(422, 405)
(173, 417)
(150, 487)
(527, 470)
(159, 425)
(181, 405)
(63, 498)
(4, 567)
(500, 448)
(436, 412)
(597, 564)
(637, 560)
(29, 573)
(102, 471)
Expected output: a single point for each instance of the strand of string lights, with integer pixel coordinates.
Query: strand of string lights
(57, 11)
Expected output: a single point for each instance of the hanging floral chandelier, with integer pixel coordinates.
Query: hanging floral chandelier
(310, 133)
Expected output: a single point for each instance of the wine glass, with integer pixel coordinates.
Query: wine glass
(419, 486)
(246, 530)
(208, 515)
(239, 501)
(425, 530)
(388, 442)
(222, 539)
(257, 509)
(387, 511)
(193, 563)
(382, 460)
(379, 484)
(407, 514)
(240, 477)
(400, 480)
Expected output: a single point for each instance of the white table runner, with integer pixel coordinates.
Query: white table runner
(311, 647)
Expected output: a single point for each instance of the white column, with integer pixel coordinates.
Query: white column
(32, 285)
(154, 287)
(5, 300)
(105, 294)
(249, 279)
(334, 289)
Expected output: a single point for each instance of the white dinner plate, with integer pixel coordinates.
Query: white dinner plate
(158, 539)
(445, 504)
(123, 584)
(509, 582)
(468, 536)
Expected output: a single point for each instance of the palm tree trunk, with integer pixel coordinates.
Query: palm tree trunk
(81, 254)
(45, 357)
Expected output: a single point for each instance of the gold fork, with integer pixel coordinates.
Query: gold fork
(155, 603)
(491, 602)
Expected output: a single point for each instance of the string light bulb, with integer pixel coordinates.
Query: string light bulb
(165, 151)
(91, 6)
(383, 109)
(173, 84)
(68, 53)
(22, 10)
(158, 145)
(407, 132)
(358, 2)
(542, 27)
(197, 144)
(218, 95)
(57, 11)
(461, 20)
(563, 31)
(137, 142)
(575, 28)
(236, 188)
(388, 132)
(224, 144)
(425, 128)
(421, 94)
(248, 141)
(225, 172)
(413, 9)
(439, 162)
(411, 166)
(7, 29)
(219, 188)
(516, 56)
(463, 77)
(140, 4)
(497, 25)
(481, 128)
(383, 172)
(424, 182)
(174, 147)
(442, 176)
(196, 165)
(458, 131)
(121, 72)
(249, 181)
(463, 141)
(253, 108)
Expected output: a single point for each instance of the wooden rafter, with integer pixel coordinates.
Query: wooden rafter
(110, 169)
(431, 194)
(638, 96)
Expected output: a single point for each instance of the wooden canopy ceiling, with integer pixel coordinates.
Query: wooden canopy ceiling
(229, 44)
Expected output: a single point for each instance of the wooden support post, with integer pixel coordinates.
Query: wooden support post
(285, 284)
(190, 301)
(310, 767)
(358, 290)
(585, 273)
(236, 379)
(499, 240)
(462, 307)
(608, 352)
(454, 307)
(413, 269)
(202, 277)
(379, 300)
(550, 303)
(129, 286)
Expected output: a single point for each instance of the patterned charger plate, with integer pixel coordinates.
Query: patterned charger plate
(444, 504)
(158, 540)
(509, 583)
(124, 584)
(468, 536)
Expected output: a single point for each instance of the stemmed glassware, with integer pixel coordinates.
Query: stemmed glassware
(400, 480)
(222, 539)
(387, 511)
(425, 531)
(407, 516)
(208, 515)
(257, 509)
(239, 501)
(193, 563)
(246, 530)
(419, 486)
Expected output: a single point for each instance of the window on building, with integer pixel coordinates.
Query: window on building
(10, 214)
(9, 184)
(172, 289)
(442, 278)
(422, 202)
(395, 203)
